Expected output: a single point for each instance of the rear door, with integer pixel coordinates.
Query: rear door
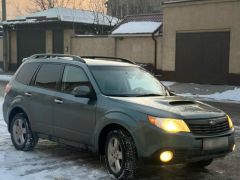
(74, 117)
(41, 97)
(23, 79)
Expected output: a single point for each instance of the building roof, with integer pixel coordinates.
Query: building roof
(180, 1)
(65, 15)
(137, 28)
(156, 17)
(139, 24)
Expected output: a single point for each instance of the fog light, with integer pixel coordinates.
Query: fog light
(234, 146)
(166, 156)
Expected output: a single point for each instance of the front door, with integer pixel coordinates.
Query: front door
(74, 117)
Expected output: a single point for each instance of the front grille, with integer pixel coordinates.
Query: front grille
(208, 126)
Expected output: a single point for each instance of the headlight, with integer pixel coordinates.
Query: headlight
(169, 125)
(230, 122)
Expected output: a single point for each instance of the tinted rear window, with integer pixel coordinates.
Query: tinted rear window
(48, 76)
(26, 73)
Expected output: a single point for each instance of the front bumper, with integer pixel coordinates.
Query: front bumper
(185, 146)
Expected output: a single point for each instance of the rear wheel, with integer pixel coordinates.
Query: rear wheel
(120, 155)
(200, 164)
(22, 136)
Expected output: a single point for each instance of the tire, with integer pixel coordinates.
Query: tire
(22, 137)
(120, 149)
(200, 164)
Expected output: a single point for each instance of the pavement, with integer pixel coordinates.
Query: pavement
(205, 92)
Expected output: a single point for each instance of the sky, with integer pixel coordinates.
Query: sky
(23, 7)
(17, 7)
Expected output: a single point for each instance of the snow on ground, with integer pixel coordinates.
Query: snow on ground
(137, 27)
(168, 83)
(226, 96)
(5, 77)
(48, 161)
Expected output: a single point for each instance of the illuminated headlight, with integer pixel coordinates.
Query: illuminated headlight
(169, 125)
(230, 122)
(166, 156)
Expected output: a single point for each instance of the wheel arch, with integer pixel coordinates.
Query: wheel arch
(105, 131)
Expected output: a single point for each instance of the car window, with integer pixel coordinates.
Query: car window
(48, 76)
(127, 81)
(26, 73)
(73, 77)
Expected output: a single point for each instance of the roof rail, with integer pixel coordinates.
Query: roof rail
(109, 58)
(46, 56)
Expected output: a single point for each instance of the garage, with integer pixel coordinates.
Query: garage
(30, 41)
(202, 57)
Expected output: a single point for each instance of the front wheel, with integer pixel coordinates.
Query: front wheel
(120, 155)
(22, 136)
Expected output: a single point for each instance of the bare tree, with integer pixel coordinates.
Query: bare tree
(18, 10)
(39, 5)
(99, 10)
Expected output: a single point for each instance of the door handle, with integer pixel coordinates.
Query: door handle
(58, 101)
(28, 94)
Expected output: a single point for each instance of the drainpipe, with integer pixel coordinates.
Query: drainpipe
(155, 50)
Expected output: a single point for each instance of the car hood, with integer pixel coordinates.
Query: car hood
(173, 106)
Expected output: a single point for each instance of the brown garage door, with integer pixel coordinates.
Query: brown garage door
(202, 57)
(32, 41)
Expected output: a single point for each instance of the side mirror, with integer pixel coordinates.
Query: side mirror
(82, 91)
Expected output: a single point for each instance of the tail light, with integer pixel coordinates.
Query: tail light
(7, 89)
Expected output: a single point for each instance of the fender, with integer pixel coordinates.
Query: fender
(115, 117)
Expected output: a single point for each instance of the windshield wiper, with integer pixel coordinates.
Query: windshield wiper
(148, 95)
(118, 95)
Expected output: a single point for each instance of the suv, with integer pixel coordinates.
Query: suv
(114, 108)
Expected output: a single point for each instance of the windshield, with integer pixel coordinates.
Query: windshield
(127, 82)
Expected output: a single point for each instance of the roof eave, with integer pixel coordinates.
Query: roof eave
(133, 35)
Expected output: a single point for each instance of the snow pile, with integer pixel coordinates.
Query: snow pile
(229, 95)
(5, 77)
(48, 161)
(137, 28)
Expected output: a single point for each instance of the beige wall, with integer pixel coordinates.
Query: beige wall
(93, 46)
(214, 15)
(49, 41)
(68, 33)
(139, 49)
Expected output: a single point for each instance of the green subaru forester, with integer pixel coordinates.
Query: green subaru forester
(114, 108)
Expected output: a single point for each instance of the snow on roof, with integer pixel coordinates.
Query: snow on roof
(141, 27)
(66, 15)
